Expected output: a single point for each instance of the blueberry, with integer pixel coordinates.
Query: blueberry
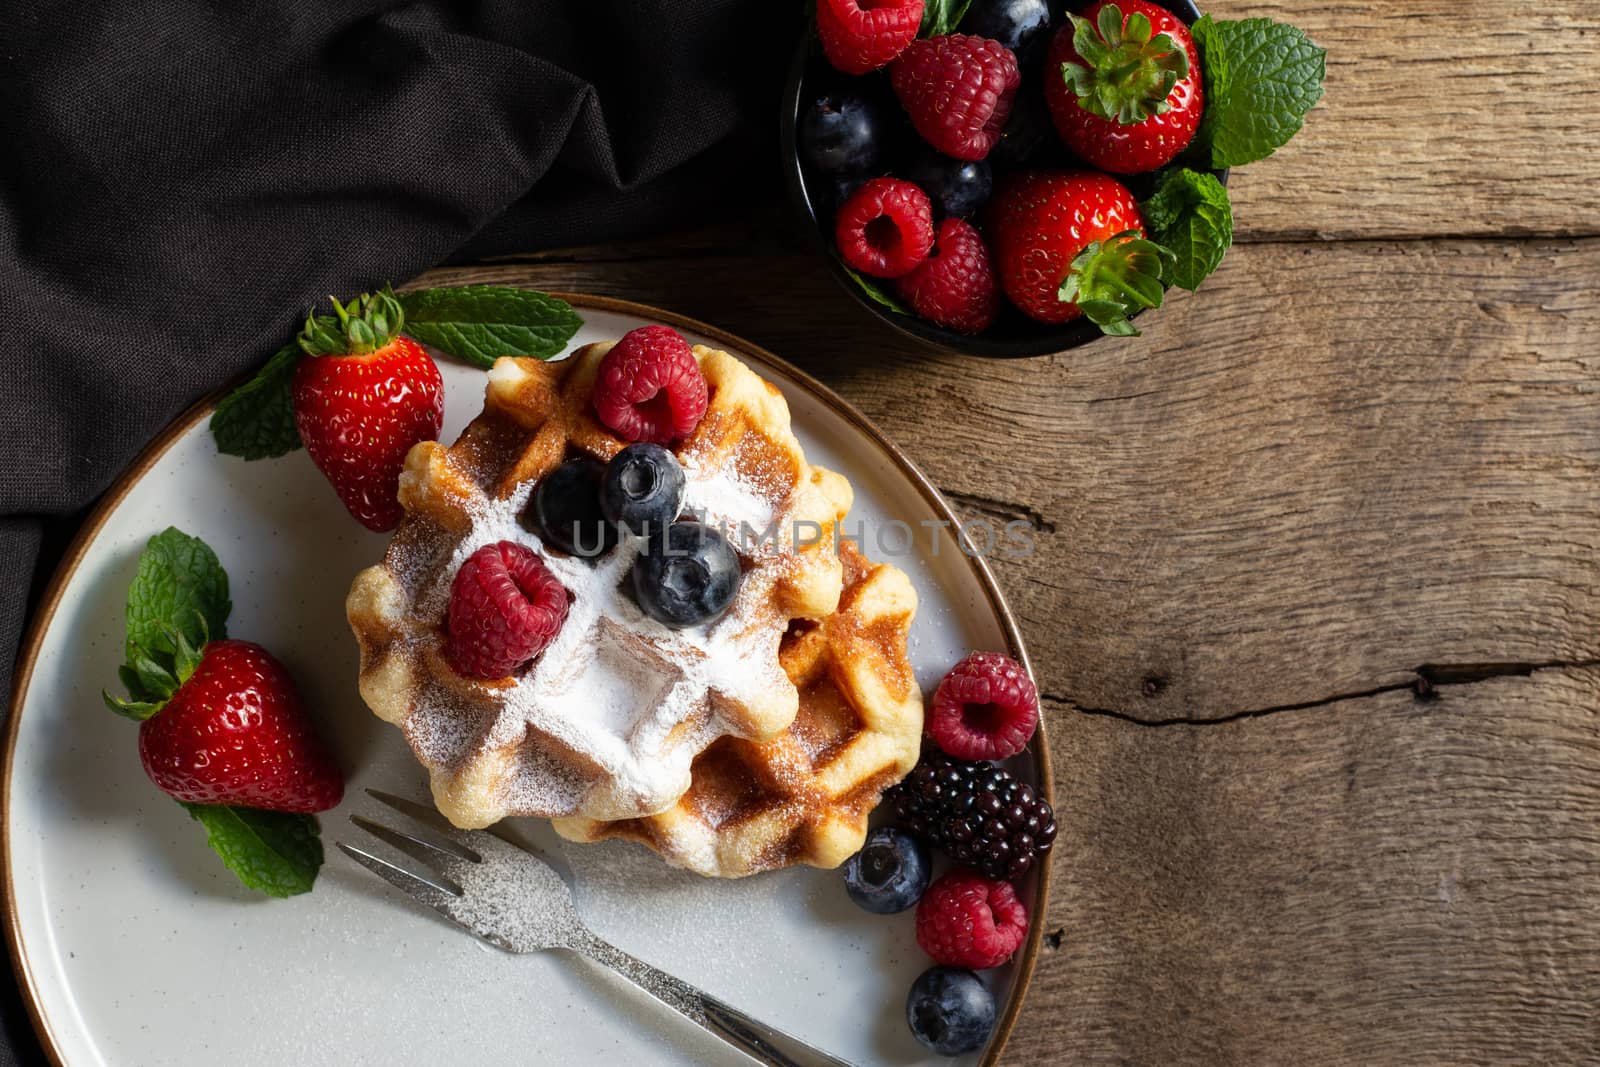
(957, 187)
(1027, 131)
(841, 133)
(566, 508)
(686, 576)
(889, 873)
(642, 489)
(950, 1010)
(1020, 25)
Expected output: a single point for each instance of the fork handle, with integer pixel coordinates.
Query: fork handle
(762, 1043)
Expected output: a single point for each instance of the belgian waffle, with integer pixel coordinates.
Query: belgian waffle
(804, 796)
(608, 720)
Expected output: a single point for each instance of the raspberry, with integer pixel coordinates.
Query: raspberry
(885, 229)
(985, 708)
(967, 920)
(955, 287)
(862, 35)
(975, 813)
(649, 387)
(505, 606)
(958, 91)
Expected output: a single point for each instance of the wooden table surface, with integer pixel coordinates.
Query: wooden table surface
(1316, 606)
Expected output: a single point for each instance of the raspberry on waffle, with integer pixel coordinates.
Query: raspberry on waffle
(804, 796)
(607, 721)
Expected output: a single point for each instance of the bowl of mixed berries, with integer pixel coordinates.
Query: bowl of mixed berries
(1005, 178)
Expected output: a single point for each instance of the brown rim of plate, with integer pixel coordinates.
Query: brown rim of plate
(152, 453)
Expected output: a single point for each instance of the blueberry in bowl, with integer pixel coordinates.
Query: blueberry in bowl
(1072, 144)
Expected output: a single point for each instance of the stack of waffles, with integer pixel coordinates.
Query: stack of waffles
(760, 740)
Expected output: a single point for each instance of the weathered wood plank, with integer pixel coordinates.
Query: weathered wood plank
(1337, 464)
(1384, 881)
(1440, 118)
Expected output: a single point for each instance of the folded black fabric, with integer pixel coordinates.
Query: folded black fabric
(181, 179)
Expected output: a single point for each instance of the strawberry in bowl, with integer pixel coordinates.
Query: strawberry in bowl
(1011, 180)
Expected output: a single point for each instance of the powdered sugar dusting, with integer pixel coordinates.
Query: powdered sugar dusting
(615, 688)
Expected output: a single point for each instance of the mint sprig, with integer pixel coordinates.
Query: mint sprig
(273, 852)
(940, 17)
(476, 324)
(481, 323)
(177, 601)
(877, 293)
(256, 420)
(179, 591)
(1189, 214)
(1261, 78)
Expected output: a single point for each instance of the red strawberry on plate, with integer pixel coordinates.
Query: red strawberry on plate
(235, 732)
(1124, 86)
(862, 35)
(958, 91)
(1072, 243)
(364, 396)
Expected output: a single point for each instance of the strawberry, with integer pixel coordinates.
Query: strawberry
(364, 396)
(234, 731)
(1124, 86)
(1072, 243)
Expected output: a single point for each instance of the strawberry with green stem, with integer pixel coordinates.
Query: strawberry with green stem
(221, 725)
(1073, 244)
(365, 395)
(1124, 85)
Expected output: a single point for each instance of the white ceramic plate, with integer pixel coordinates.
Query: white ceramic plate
(135, 946)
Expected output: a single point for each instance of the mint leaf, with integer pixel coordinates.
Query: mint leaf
(1261, 79)
(180, 589)
(481, 323)
(274, 852)
(1189, 214)
(256, 420)
(940, 17)
(876, 293)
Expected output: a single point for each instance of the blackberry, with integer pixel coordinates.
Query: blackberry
(976, 813)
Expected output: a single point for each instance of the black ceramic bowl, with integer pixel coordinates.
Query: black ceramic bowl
(1013, 335)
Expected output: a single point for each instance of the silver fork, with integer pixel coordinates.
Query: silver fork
(515, 901)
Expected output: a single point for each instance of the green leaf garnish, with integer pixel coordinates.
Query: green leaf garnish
(1189, 214)
(180, 591)
(877, 293)
(1261, 78)
(481, 323)
(256, 420)
(1114, 279)
(274, 852)
(940, 17)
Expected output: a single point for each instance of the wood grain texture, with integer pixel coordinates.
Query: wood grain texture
(1297, 485)
(1385, 881)
(1440, 118)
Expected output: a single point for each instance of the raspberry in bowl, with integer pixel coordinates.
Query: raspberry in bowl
(967, 115)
